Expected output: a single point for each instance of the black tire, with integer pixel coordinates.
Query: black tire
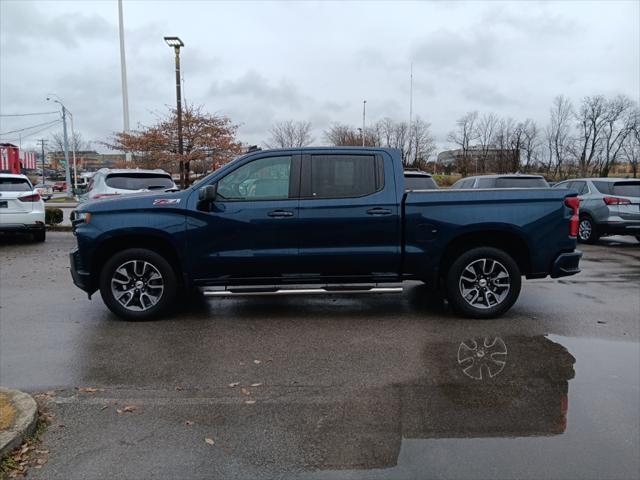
(587, 231)
(492, 297)
(40, 235)
(638, 237)
(141, 268)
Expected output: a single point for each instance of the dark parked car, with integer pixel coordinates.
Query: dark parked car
(608, 206)
(278, 221)
(417, 180)
(502, 181)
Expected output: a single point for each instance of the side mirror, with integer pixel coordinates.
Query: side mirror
(208, 193)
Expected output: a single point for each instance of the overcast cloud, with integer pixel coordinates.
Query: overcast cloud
(265, 61)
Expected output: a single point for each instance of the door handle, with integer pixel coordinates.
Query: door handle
(280, 213)
(378, 211)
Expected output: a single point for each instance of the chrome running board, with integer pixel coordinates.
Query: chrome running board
(243, 292)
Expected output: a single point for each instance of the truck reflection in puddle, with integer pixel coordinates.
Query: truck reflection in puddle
(481, 387)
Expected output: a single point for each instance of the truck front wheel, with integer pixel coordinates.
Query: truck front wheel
(483, 283)
(137, 284)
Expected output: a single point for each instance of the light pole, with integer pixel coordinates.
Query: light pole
(67, 173)
(364, 113)
(176, 43)
(123, 75)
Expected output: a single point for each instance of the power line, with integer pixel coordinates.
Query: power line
(29, 128)
(36, 132)
(27, 114)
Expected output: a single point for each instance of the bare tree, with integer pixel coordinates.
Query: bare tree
(290, 134)
(531, 144)
(591, 119)
(421, 144)
(619, 119)
(342, 135)
(559, 131)
(485, 132)
(631, 150)
(75, 141)
(464, 134)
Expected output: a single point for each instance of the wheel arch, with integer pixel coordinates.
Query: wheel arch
(508, 241)
(155, 242)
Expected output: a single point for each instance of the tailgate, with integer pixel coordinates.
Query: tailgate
(9, 203)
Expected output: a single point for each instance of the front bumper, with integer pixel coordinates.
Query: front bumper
(81, 278)
(566, 264)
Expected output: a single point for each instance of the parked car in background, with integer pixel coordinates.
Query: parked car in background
(608, 206)
(502, 181)
(112, 182)
(418, 180)
(21, 208)
(59, 186)
(45, 191)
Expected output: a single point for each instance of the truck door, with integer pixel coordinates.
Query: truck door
(250, 230)
(349, 223)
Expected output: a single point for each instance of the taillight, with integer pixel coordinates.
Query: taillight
(574, 204)
(30, 198)
(616, 201)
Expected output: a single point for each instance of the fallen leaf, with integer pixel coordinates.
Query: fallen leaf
(130, 408)
(249, 402)
(244, 391)
(188, 423)
(41, 461)
(209, 441)
(119, 411)
(104, 406)
(87, 389)
(179, 388)
(234, 384)
(256, 385)
(257, 362)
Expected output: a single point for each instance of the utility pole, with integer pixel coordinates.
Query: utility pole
(42, 142)
(176, 43)
(67, 172)
(364, 113)
(410, 108)
(123, 74)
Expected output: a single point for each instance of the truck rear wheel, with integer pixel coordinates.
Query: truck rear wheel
(137, 284)
(483, 283)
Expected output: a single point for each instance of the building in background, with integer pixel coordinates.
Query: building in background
(88, 160)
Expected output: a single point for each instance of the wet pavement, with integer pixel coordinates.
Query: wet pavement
(381, 387)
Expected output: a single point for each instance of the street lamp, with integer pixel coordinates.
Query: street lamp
(176, 43)
(67, 173)
(364, 112)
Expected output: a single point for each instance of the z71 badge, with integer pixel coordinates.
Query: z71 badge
(166, 201)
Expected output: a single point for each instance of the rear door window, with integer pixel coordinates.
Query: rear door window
(627, 189)
(485, 183)
(521, 182)
(8, 184)
(345, 176)
(139, 181)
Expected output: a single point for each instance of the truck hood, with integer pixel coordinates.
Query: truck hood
(136, 202)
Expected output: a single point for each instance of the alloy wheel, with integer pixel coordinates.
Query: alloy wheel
(137, 285)
(484, 283)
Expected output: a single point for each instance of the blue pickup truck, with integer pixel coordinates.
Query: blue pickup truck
(321, 220)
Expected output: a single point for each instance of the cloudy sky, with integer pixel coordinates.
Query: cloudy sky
(260, 62)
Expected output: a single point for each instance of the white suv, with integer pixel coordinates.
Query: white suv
(21, 208)
(108, 182)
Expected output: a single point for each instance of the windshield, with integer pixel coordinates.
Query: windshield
(521, 182)
(15, 185)
(139, 181)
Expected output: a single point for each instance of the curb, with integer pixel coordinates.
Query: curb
(24, 423)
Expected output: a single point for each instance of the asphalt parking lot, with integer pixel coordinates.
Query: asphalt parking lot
(380, 387)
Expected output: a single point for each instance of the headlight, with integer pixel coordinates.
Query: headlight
(80, 217)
